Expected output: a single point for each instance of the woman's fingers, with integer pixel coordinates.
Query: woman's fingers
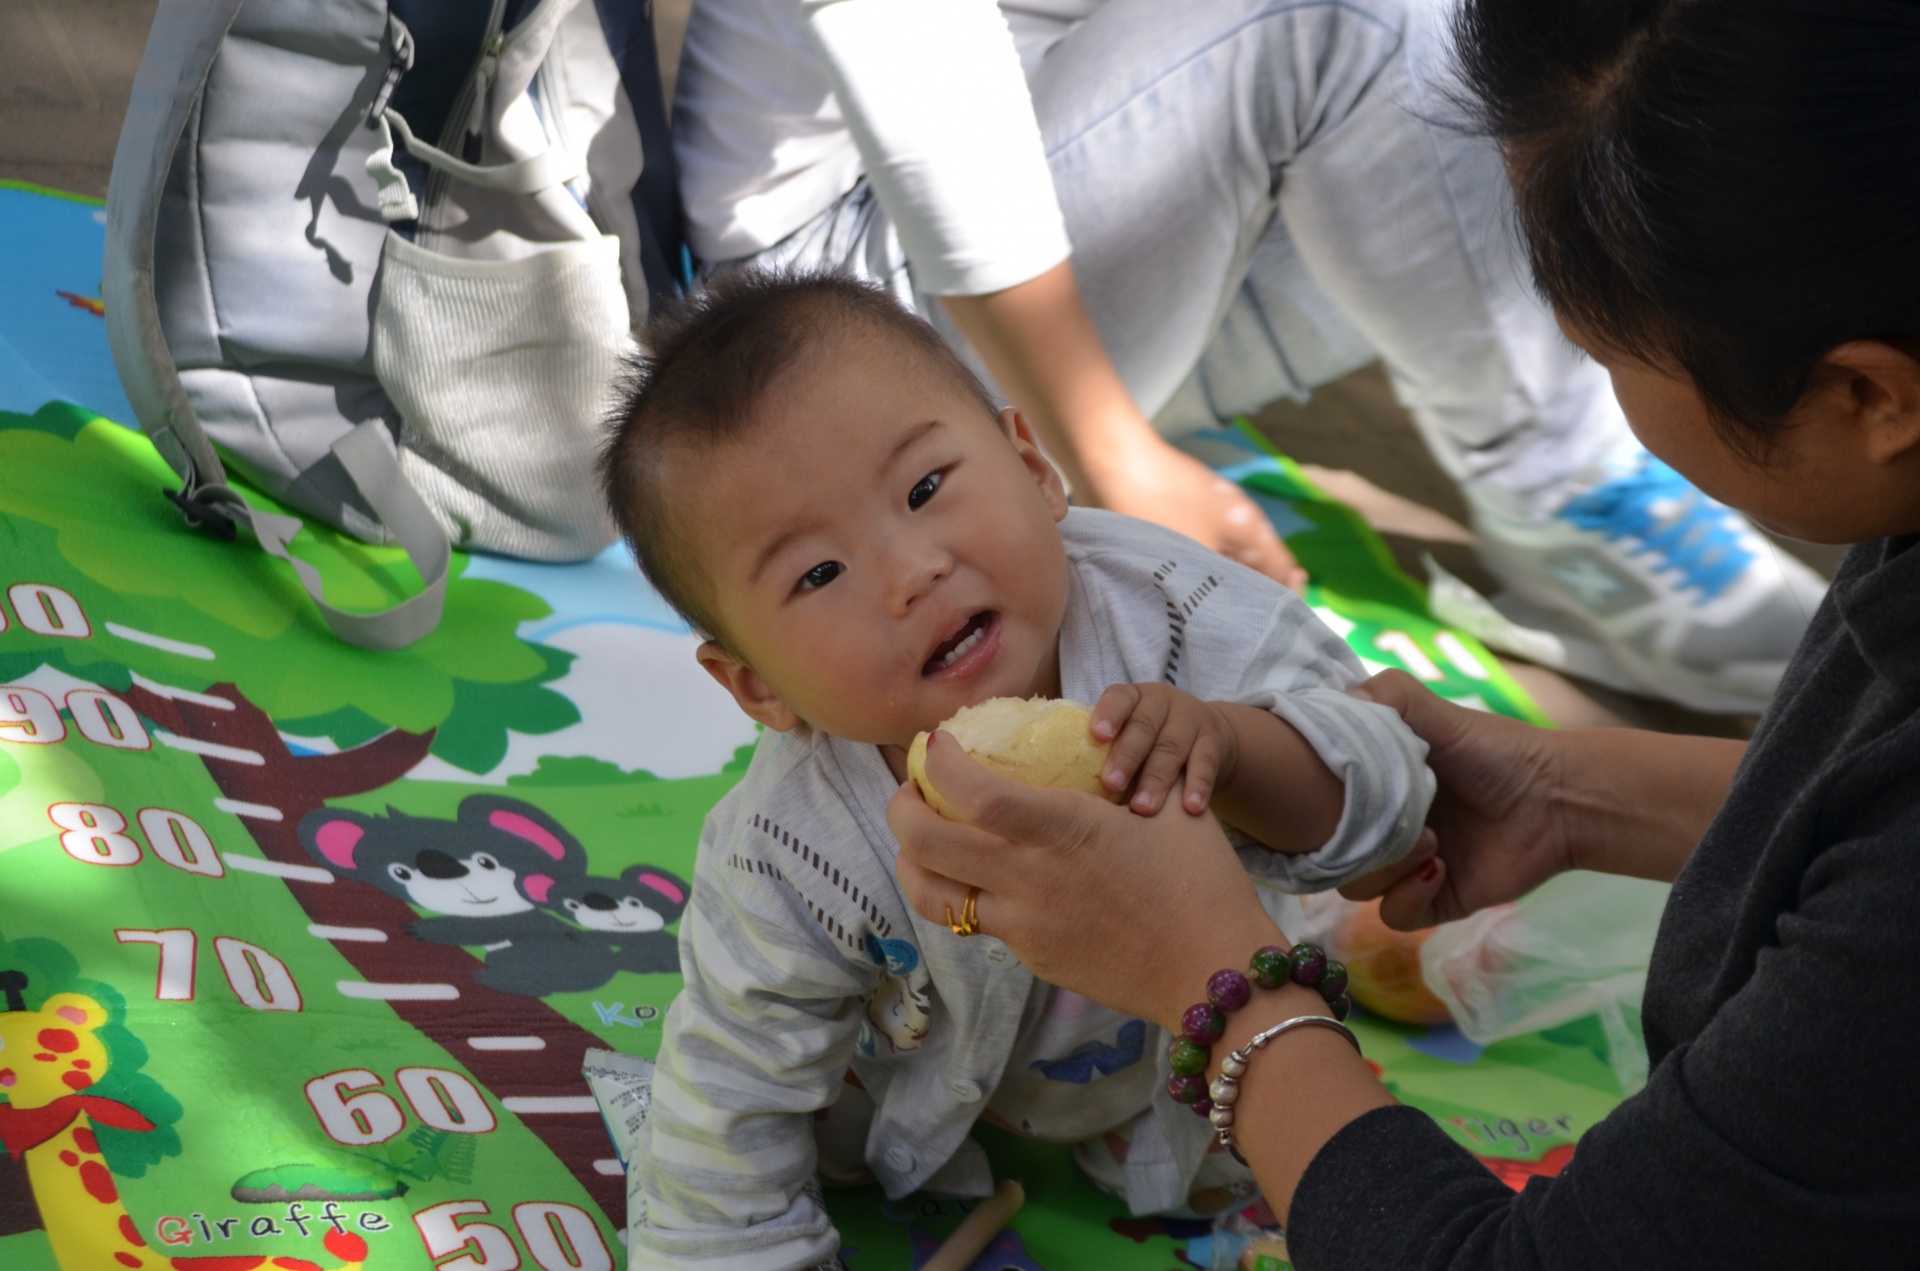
(1383, 880)
(1433, 718)
(1415, 902)
(967, 854)
(935, 896)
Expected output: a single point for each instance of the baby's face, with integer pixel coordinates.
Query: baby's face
(881, 550)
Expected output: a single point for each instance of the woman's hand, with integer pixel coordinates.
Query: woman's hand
(1134, 912)
(1496, 816)
(1519, 804)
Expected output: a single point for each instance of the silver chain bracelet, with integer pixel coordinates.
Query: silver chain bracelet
(1225, 1089)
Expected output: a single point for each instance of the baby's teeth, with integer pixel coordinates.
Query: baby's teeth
(961, 649)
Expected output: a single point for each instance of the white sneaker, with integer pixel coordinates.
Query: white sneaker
(1646, 585)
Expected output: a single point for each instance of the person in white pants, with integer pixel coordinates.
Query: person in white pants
(1143, 218)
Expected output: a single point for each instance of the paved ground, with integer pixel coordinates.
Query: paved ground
(67, 67)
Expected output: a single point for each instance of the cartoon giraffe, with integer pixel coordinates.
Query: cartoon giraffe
(48, 1058)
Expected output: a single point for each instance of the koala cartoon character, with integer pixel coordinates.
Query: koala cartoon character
(632, 911)
(482, 876)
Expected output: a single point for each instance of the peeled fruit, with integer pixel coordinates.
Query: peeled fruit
(1383, 968)
(1038, 741)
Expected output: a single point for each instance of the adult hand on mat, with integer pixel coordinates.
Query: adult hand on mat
(1155, 482)
(1131, 911)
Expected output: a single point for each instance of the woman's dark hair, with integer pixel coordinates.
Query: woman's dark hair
(1730, 187)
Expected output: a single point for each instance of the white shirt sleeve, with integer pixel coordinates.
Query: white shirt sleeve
(934, 96)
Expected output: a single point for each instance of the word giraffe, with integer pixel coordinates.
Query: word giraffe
(48, 1058)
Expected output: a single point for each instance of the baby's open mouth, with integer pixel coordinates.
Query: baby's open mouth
(960, 643)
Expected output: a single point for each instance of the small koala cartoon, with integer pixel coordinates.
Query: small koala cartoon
(631, 911)
(483, 876)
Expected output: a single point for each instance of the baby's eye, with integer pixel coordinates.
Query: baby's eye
(820, 575)
(921, 492)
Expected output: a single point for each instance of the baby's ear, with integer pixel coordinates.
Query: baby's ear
(754, 695)
(1053, 491)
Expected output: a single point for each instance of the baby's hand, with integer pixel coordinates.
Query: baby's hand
(1156, 731)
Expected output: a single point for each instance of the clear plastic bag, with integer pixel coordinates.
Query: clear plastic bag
(1576, 946)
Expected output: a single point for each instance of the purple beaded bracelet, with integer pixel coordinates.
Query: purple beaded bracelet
(1204, 1023)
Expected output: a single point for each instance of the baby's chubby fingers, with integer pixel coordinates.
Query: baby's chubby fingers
(1172, 746)
(1203, 771)
(1131, 719)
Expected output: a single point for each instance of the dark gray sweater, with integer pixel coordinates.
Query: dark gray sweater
(1780, 1126)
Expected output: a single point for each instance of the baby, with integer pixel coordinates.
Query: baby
(823, 489)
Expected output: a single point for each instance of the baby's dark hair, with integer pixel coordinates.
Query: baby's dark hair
(705, 365)
(1729, 187)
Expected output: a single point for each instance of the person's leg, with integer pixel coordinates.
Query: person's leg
(1181, 140)
(1261, 188)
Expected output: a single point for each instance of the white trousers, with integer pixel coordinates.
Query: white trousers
(1263, 195)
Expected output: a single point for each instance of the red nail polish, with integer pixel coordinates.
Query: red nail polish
(1430, 870)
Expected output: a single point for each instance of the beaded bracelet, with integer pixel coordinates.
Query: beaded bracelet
(1204, 1023)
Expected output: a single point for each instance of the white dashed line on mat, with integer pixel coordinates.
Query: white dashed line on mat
(165, 645)
(367, 935)
(397, 992)
(274, 869)
(258, 811)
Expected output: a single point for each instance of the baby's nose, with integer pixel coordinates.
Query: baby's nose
(918, 571)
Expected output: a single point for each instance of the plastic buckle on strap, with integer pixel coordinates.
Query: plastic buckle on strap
(211, 517)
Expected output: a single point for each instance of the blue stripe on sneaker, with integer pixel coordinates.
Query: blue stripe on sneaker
(1655, 507)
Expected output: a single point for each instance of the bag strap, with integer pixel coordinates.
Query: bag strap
(181, 48)
(173, 73)
(552, 166)
(368, 456)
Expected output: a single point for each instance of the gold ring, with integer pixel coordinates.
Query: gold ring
(969, 924)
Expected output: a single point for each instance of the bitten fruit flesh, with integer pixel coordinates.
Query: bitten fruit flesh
(1037, 741)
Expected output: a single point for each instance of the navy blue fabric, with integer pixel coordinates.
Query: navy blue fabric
(656, 196)
(447, 35)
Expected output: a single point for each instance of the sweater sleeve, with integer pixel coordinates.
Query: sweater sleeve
(723, 1178)
(1775, 1138)
(934, 96)
(1300, 671)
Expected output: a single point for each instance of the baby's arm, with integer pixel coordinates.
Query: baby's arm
(760, 1038)
(1255, 769)
(1337, 786)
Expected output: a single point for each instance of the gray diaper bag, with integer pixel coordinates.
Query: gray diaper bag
(382, 258)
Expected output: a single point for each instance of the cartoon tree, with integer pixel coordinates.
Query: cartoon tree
(88, 493)
(80, 501)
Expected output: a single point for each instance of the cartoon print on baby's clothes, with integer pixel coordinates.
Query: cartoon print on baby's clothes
(1073, 1042)
(1098, 1056)
(899, 1010)
(632, 911)
(482, 877)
